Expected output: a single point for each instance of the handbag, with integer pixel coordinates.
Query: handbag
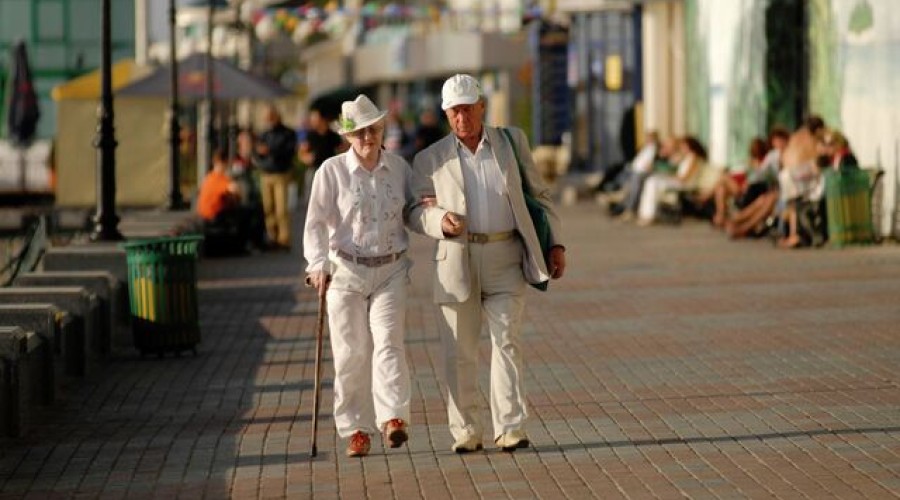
(535, 210)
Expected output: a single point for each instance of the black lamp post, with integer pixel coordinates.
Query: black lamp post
(176, 202)
(106, 220)
(208, 90)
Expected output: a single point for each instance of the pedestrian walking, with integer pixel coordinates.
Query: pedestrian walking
(355, 244)
(274, 156)
(319, 143)
(470, 199)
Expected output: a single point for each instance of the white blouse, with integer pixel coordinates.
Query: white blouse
(355, 210)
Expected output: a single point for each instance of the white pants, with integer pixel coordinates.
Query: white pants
(367, 321)
(654, 188)
(496, 301)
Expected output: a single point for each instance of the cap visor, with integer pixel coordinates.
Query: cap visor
(458, 102)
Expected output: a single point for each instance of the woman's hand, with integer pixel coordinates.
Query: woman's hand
(318, 280)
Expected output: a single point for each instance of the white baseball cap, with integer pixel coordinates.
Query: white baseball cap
(358, 114)
(460, 89)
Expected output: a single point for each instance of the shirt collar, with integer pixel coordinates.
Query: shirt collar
(484, 141)
(354, 164)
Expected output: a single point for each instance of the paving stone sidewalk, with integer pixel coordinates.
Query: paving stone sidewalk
(669, 363)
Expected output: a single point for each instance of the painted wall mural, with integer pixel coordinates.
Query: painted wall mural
(856, 83)
(850, 77)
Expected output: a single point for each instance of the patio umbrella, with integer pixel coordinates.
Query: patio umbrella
(229, 82)
(22, 111)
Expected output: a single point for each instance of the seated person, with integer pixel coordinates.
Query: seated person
(640, 168)
(765, 178)
(732, 185)
(218, 204)
(799, 177)
(759, 200)
(751, 220)
(692, 156)
(834, 153)
(837, 152)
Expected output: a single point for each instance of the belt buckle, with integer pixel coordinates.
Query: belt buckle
(478, 238)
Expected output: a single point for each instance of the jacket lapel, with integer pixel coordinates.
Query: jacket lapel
(452, 163)
(503, 153)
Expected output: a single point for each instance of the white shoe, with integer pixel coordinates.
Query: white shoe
(467, 444)
(626, 216)
(512, 440)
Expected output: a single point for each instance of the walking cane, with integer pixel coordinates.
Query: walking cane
(317, 388)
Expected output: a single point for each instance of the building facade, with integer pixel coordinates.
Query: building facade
(63, 42)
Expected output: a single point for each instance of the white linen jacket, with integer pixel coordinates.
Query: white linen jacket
(437, 172)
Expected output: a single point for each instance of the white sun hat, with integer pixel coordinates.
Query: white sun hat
(358, 114)
(460, 89)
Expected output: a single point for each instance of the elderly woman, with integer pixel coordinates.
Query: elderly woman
(355, 245)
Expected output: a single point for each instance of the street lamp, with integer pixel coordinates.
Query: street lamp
(106, 220)
(208, 90)
(176, 202)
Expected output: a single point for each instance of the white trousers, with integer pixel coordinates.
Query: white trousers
(496, 302)
(654, 187)
(367, 321)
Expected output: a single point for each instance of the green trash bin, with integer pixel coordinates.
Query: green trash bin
(849, 208)
(162, 287)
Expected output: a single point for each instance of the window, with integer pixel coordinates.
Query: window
(50, 20)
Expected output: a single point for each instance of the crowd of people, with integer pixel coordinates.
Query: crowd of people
(779, 192)
(244, 201)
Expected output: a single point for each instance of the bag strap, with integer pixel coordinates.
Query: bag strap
(526, 186)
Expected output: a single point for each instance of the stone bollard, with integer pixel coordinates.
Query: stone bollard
(115, 330)
(83, 346)
(103, 257)
(58, 330)
(96, 257)
(21, 378)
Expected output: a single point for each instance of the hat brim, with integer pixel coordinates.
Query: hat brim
(459, 101)
(375, 119)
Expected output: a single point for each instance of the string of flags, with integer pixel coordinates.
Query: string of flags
(308, 22)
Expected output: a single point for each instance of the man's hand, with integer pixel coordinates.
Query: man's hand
(318, 280)
(557, 262)
(453, 224)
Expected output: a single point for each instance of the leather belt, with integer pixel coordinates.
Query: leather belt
(491, 237)
(371, 261)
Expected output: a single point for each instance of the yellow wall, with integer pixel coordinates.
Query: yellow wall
(142, 177)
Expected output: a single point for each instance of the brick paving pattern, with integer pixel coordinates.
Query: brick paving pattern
(669, 363)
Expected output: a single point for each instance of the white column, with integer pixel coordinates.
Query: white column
(141, 32)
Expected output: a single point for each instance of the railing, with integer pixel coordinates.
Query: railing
(23, 252)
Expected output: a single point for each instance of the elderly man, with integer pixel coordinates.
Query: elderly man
(469, 197)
